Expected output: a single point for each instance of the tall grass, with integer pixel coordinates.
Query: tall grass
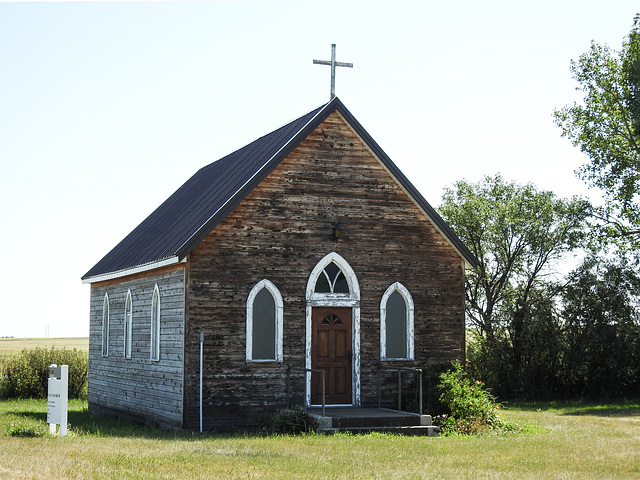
(574, 441)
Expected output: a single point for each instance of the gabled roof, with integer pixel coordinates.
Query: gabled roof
(192, 212)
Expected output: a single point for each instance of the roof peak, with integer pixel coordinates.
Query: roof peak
(183, 220)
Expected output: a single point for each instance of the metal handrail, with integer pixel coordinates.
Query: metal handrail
(400, 370)
(309, 370)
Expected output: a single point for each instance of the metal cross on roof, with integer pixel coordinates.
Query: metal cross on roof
(333, 64)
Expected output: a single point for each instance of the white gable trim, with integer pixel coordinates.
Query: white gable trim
(133, 270)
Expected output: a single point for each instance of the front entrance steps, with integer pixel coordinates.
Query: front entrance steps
(366, 420)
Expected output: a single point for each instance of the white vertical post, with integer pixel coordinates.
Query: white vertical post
(201, 368)
(58, 398)
(64, 378)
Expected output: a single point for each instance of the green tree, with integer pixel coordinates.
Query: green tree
(518, 233)
(606, 127)
(602, 331)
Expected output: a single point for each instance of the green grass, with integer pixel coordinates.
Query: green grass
(564, 441)
(10, 346)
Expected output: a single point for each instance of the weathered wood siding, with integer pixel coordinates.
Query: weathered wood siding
(280, 232)
(139, 387)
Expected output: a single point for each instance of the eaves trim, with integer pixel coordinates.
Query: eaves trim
(133, 270)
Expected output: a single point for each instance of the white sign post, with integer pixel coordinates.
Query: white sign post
(57, 398)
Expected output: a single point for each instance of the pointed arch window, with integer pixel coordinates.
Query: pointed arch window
(332, 280)
(128, 324)
(396, 324)
(155, 324)
(264, 323)
(105, 325)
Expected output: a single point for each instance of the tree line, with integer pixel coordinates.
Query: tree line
(552, 307)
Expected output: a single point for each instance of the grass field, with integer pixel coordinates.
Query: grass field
(562, 441)
(10, 346)
(569, 442)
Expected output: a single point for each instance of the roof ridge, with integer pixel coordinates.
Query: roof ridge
(184, 219)
(318, 108)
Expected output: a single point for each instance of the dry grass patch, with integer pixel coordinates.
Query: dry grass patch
(11, 346)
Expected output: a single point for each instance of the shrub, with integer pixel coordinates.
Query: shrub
(430, 381)
(288, 422)
(26, 374)
(473, 409)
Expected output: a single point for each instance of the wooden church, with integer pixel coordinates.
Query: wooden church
(305, 250)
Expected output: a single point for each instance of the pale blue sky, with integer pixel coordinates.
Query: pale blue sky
(107, 107)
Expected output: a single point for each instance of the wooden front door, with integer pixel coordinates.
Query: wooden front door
(331, 351)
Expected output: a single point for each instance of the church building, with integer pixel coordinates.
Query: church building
(305, 251)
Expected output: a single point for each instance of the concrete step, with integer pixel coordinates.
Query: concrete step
(414, 430)
(366, 420)
(381, 421)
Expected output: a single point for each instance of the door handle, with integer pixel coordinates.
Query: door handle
(350, 357)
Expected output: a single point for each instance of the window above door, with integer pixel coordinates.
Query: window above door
(332, 280)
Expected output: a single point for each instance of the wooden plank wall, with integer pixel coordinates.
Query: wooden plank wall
(138, 387)
(280, 232)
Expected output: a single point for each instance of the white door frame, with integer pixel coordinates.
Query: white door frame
(335, 300)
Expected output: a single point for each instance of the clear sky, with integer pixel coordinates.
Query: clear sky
(106, 108)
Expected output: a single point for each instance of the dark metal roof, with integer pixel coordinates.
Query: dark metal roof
(192, 212)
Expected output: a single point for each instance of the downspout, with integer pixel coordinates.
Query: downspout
(201, 364)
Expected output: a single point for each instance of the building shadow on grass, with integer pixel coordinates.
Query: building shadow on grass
(581, 408)
(607, 411)
(85, 423)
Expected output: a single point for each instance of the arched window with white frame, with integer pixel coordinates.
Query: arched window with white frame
(105, 325)
(264, 323)
(155, 324)
(396, 324)
(332, 281)
(128, 324)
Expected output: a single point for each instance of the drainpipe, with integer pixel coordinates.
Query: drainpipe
(201, 362)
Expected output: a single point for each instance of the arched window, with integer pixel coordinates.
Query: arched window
(128, 322)
(396, 324)
(332, 280)
(264, 323)
(105, 325)
(155, 324)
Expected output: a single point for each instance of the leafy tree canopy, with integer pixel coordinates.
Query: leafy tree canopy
(601, 330)
(517, 232)
(606, 127)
